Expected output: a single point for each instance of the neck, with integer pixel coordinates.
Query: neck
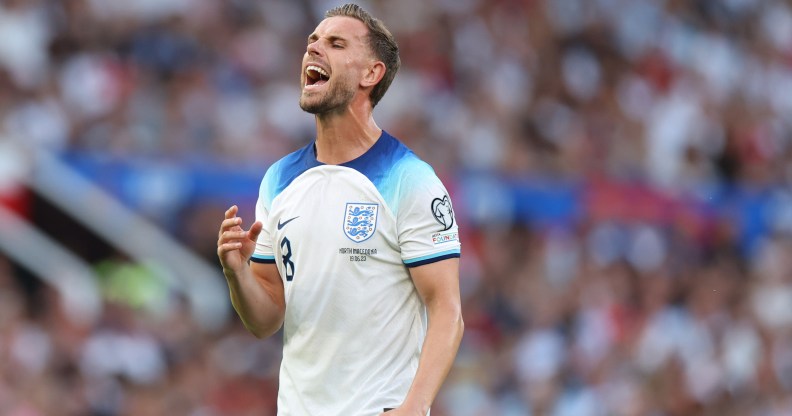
(344, 136)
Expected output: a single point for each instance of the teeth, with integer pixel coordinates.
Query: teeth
(317, 69)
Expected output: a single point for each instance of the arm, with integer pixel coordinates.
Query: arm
(256, 290)
(438, 286)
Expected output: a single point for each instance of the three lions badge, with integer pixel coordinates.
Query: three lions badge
(360, 221)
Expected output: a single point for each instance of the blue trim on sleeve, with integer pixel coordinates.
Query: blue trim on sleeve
(420, 261)
(257, 258)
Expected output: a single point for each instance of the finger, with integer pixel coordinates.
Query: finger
(231, 237)
(228, 247)
(228, 236)
(255, 230)
(231, 211)
(229, 223)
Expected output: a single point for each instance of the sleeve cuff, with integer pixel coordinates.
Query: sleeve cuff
(420, 261)
(260, 258)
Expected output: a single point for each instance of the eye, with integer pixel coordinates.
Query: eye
(337, 45)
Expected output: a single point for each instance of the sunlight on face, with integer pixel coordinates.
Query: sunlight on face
(333, 65)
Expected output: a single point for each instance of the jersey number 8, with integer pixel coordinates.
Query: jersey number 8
(288, 265)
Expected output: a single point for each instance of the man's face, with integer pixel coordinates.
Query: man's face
(333, 65)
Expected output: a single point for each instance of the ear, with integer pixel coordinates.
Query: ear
(373, 75)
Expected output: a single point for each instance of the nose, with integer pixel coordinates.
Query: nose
(313, 49)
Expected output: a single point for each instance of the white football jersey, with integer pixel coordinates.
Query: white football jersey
(343, 238)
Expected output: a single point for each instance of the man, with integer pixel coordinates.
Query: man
(354, 244)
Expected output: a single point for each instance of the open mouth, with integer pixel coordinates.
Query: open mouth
(315, 75)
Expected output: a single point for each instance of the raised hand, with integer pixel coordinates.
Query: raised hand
(234, 244)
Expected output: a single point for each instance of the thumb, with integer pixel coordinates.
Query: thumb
(255, 230)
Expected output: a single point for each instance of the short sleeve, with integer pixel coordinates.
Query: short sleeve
(264, 252)
(427, 228)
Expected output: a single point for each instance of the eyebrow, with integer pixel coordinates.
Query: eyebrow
(332, 38)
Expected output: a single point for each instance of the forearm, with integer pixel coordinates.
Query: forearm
(255, 302)
(437, 355)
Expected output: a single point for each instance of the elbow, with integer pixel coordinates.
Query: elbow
(454, 314)
(264, 330)
(262, 333)
(255, 331)
(447, 315)
(258, 333)
(460, 323)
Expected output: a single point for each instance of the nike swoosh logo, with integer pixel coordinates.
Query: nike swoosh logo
(283, 224)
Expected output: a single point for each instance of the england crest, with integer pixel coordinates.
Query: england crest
(360, 221)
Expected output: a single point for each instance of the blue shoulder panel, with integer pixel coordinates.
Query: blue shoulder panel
(386, 164)
(284, 171)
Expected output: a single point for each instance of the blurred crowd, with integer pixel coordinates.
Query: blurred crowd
(666, 291)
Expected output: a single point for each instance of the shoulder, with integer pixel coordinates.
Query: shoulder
(403, 163)
(410, 180)
(393, 168)
(281, 173)
(412, 172)
(412, 168)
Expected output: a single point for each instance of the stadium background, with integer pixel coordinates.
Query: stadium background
(620, 170)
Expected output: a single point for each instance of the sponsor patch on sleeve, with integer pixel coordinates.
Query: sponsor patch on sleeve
(445, 237)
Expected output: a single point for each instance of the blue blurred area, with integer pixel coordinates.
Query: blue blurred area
(146, 184)
(165, 188)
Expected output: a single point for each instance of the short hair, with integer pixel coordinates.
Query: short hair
(381, 42)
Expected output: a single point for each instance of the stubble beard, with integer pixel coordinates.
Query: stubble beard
(334, 99)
